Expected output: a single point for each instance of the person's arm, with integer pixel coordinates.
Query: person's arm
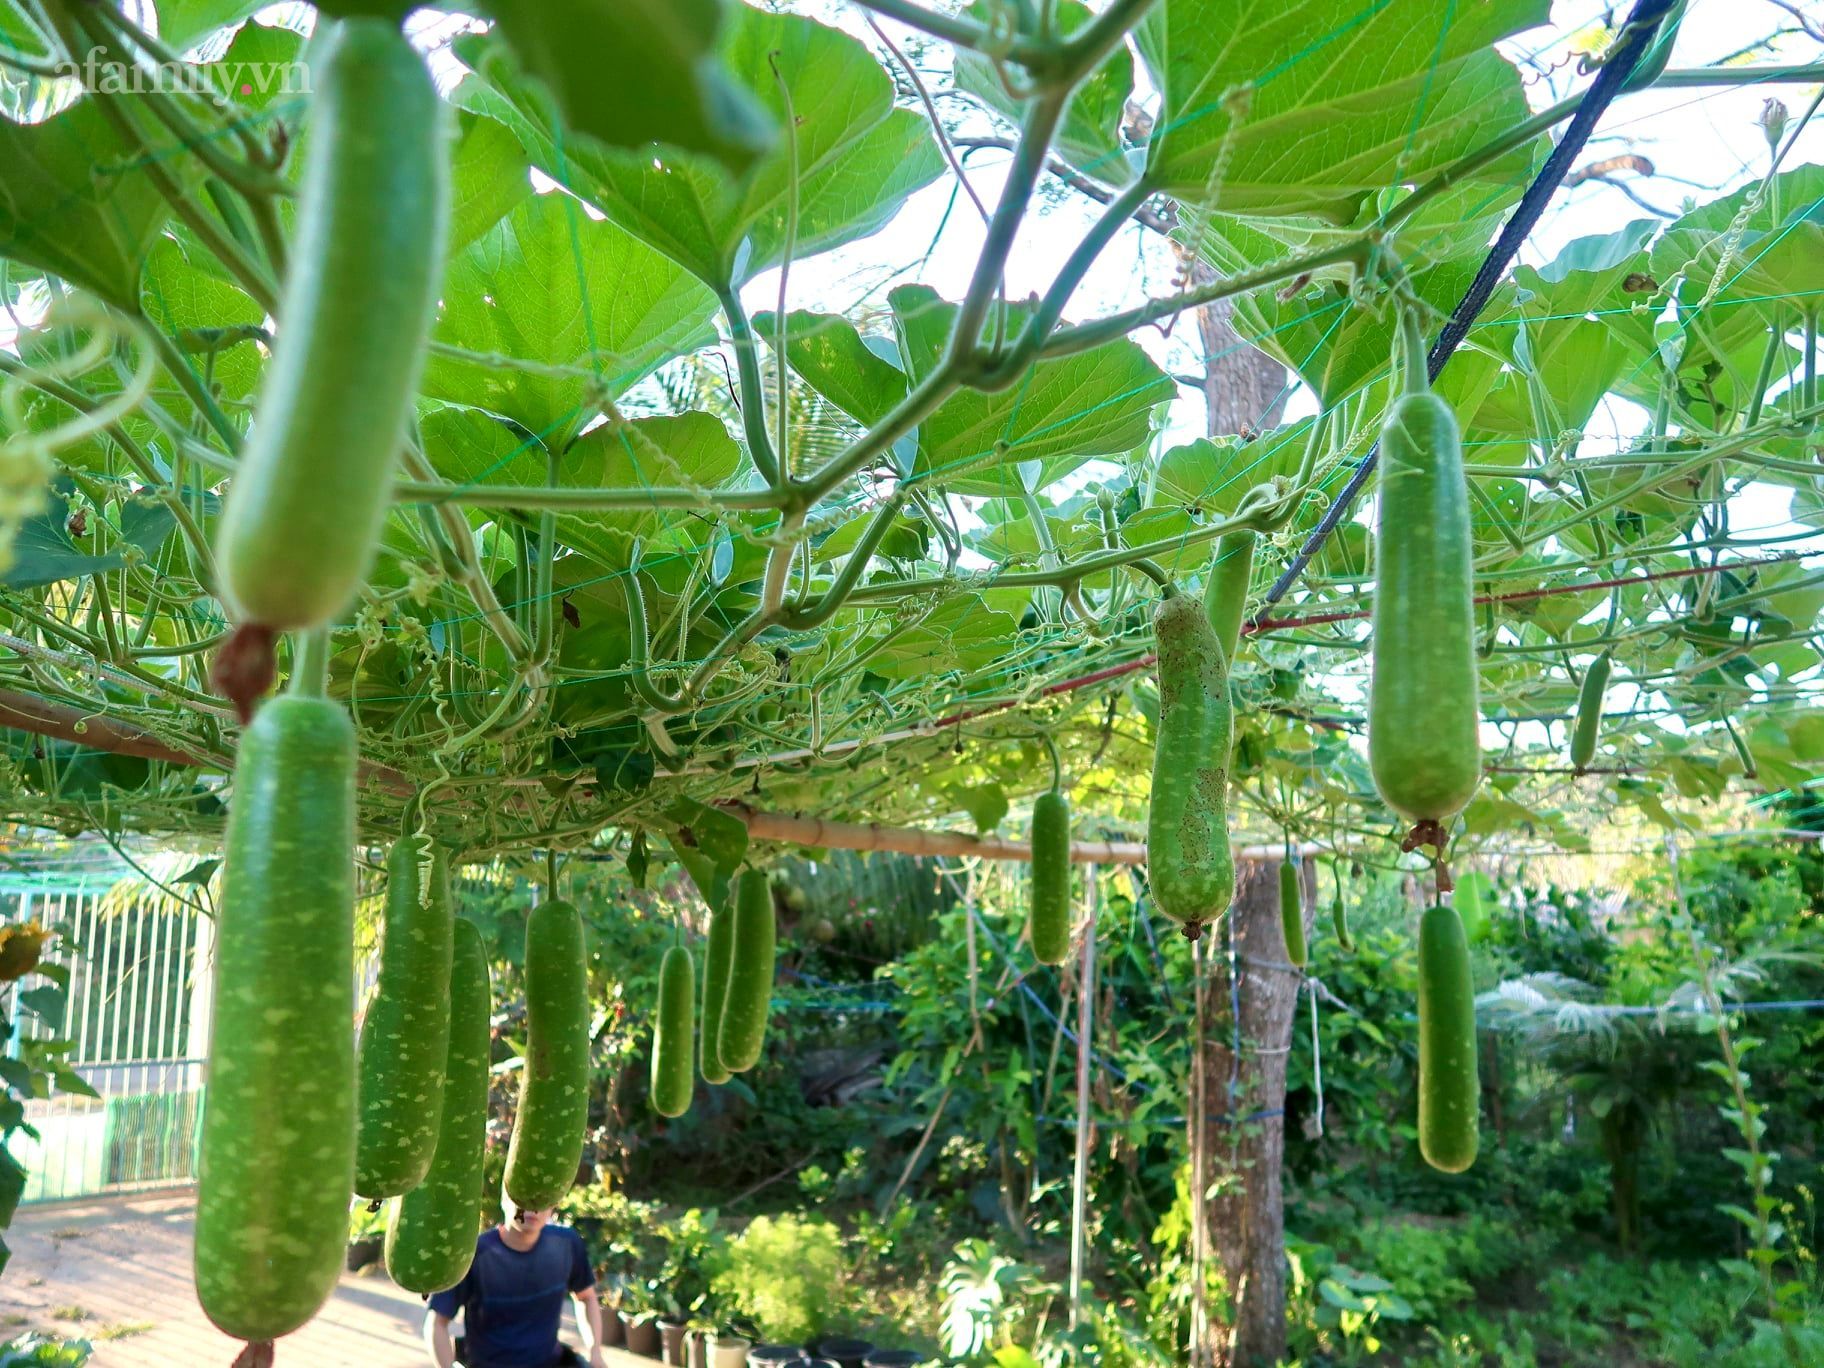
(588, 1308)
(437, 1339)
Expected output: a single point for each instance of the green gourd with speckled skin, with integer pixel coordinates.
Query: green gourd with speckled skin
(1049, 918)
(313, 486)
(1225, 591)
(1187, 833)
(1588, 728)
(1292, 913)
(673, 1078)
(749, 999)
(717, 960)
(547, 1143)
(278, 1148)
(1424, 741)
(405, 1032)
(1449, 1090)
(430, 1232)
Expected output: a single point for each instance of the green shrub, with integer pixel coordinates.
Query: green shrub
(32, 1350)
(786, 1273)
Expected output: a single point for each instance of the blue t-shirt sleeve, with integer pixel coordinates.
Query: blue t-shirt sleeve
(449, 1301)
(582, 1276)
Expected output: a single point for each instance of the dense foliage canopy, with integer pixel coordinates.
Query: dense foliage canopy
(636, 564)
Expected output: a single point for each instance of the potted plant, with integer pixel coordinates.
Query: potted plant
(673, 1322)
(730, 1342)
(640, 1322)
(611, 1288)
(787, 1273)
(639, 1325)
(366, 1235)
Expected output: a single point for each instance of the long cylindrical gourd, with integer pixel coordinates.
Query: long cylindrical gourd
(1588, 727)
(430, 1232)
(314, 480)
(1292, 913)
(1049, 916)
(1339, 918)
(673, 1067)
(405, 1033)
(547, 1143)
(1448, 1087)
(1225, 592)
(1424, 745)
(749, 999)
(278, 1147)
(717, 959)
(1188, 859)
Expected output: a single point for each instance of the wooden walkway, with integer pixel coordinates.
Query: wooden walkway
(117, 1273)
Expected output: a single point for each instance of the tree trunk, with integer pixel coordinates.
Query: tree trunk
(1244, 1094)
(1244, 390)
(1247, 1036)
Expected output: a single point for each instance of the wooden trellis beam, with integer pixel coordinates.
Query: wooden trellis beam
(816, 831)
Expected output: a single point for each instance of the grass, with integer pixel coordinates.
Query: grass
(122, 1330)
(71, 1312)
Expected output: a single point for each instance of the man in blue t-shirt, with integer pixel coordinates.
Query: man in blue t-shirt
(512, 1299)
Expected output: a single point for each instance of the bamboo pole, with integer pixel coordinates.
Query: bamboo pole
(1086, 1020)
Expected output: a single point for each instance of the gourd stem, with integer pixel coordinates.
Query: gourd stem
(310, 664)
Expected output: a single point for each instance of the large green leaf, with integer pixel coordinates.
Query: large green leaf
(590, 310)
(1066, 411)
(45, 551)
(1090, 136)
(1211, 476)
(958, 634)
(1758, 249)
(851, 157)
(74, 202)
(637, 72)
(1277, 108)
(468, 447)
(488, 178)
(182, 24)
(186, 295)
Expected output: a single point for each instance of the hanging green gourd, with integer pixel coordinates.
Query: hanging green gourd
(1587, 728)
(1225, 591)
(1339, 913)
(405, 1030)
(547, 1143)
(430, 1232)
(1187, 836)
(1424, 743)
(1448, 1083)
(748, 1001)
(672, 1076)
(1292, 911)
(717, 960)
(1049, 917)
(278, 1145)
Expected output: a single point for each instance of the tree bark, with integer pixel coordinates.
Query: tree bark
(1244, 390)
(1247, 1037)
(1244, 1092)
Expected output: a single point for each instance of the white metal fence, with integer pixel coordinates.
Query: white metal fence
(136, 1013)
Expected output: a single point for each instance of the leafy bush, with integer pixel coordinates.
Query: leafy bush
(33, 1350)
(787, 1273)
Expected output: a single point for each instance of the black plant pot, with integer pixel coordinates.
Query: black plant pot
(365, 1251)
(845, 1353)
(893, 1358)
(772, 1355)
(671, 1336)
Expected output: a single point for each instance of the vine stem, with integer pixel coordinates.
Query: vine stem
(310, 668)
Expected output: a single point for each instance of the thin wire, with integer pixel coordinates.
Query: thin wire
(1609, 82)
